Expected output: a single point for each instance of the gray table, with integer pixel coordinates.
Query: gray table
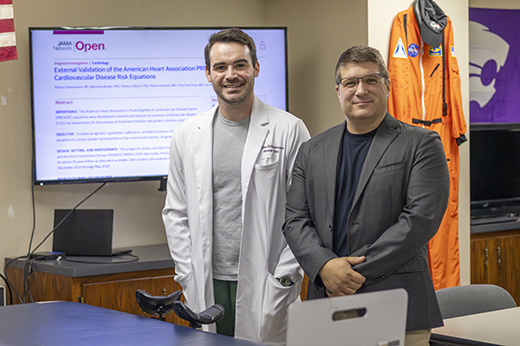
(501, 327)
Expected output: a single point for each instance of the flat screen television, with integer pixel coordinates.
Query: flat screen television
(105, 101)
(495, 169)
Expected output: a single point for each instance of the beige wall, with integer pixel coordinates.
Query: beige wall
(502, 4)
(137, 205)
(313, 31)
(318, 32)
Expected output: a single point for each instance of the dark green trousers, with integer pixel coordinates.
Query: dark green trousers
(226, 295)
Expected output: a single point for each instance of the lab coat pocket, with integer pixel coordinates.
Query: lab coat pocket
(189, 290)
(183, 279)
(266, 166)
(276, 301)
(267, 188)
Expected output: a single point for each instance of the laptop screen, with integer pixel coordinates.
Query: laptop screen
(85, 232)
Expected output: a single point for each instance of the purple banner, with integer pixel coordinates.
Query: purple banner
(78, 32)
(494, 57)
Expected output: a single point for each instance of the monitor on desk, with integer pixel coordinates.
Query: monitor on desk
(85, 232)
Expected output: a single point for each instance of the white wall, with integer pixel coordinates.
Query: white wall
(380, 17)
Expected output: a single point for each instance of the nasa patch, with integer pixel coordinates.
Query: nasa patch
(413, 50)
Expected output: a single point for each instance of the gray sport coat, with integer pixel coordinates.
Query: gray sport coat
(398, 206)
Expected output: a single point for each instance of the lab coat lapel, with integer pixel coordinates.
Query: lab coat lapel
(258, 130)
(203, 157)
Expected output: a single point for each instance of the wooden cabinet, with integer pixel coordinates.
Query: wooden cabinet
(305, 286)
(495, 259)
(112, 291)
(109, 286)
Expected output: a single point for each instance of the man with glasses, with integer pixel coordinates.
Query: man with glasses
(367, 196)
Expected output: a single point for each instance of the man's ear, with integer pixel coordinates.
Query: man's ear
(208, 74)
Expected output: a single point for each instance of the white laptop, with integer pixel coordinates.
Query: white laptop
(364, 319)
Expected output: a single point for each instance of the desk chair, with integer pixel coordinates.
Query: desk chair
(473, 299)
(159, 306)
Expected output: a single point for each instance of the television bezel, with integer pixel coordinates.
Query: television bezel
(496, 206)
(161, 178)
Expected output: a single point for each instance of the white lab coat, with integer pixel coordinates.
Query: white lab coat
(271, 146)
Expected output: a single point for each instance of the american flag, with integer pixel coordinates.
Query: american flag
(7, 36)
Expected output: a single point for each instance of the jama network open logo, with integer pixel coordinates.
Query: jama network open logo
(78, 46)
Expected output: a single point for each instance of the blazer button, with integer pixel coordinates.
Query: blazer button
(330, 228)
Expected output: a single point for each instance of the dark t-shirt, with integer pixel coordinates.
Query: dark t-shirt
(352, 154)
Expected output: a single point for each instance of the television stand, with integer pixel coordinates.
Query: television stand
(494, 219)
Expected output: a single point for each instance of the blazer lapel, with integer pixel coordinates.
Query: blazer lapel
(385, 134)
(330, 155)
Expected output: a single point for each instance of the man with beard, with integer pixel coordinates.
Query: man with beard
(230, 170)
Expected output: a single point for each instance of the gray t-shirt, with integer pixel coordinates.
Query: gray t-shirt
(229, 138)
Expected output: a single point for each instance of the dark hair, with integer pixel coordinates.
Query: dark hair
(358, 54)
(230, 35)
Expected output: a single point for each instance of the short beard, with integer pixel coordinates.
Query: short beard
(235, 102)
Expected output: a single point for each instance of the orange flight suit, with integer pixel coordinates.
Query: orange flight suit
(416, 97)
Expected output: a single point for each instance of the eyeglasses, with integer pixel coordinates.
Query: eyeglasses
(369, 80)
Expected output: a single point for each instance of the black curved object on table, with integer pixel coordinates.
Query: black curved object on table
(159, 306)
(208, 316)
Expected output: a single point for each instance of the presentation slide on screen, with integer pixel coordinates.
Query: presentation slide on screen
(106, 102)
